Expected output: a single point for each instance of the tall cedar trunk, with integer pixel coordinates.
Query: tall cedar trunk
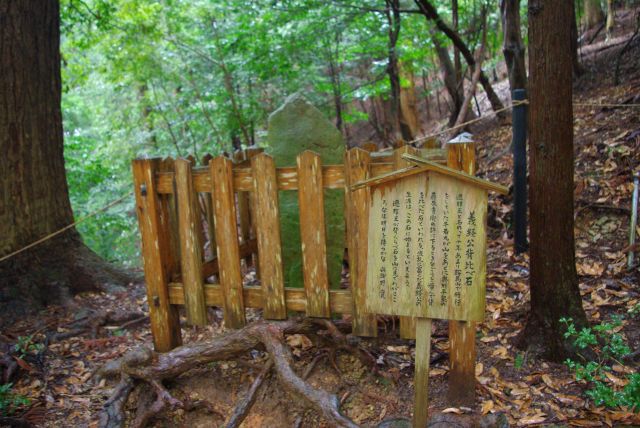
(513, 48)
(593, 14)
(554, 283)
(35, 197)
(430, 13)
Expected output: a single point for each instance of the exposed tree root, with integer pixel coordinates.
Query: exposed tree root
(242, 409)
(150, 369)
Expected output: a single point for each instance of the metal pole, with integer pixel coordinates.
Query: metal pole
(634, 221)
(519, 147)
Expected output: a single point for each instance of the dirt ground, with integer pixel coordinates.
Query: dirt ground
(57, 376)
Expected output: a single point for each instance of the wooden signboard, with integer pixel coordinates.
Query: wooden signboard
(427, 248)
(427, 253)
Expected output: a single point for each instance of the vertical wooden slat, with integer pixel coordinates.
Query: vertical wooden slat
(170, 210)
(407, 324)
(252, 152)
(462, 335)
(243, 208)
(357, 210)
(313, 234)
(267, 223)
(190, 244)
(208, 207)
(224, 212)
(154, 229)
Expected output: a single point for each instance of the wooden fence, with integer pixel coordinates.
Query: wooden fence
(178, 205)
(197, 222)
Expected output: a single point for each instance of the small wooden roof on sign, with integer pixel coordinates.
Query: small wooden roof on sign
(422, 165)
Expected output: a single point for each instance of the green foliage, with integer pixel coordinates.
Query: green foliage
(25, 345)
(609, 347)
(177, 77)
(9, 401)
(519, 361)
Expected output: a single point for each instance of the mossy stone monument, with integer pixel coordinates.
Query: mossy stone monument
(293, 128)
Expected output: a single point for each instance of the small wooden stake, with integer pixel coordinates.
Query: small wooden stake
(421, 376)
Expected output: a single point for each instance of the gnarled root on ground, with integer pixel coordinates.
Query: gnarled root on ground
(143, 366)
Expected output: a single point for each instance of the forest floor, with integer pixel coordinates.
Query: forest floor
(57, 377)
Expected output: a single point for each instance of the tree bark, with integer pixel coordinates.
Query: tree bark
(392, 12)
(553, 281)
(35, 196)
(575, 57)
(593, 14)
(449, 77)
(610, 18)
(430, 13)
(513, 48)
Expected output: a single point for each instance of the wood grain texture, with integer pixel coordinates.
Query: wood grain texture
(287, 178)
(208, 213)
(427, 248)
(169, 211)
(357, 164)
(224, 212)
(267, 221)
(210, 267)
(190, 244)
(421, 376)
(154, 229)
(407, 324)
(313, 234)
(462, 334)
(426, 165)
(341, 301)
(243, 206)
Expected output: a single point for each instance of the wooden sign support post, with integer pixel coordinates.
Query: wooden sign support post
(426, 253)
(421, 374)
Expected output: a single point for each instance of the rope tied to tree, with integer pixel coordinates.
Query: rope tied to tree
(64, 229)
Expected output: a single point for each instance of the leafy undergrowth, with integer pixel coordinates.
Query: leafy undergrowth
(54, 385)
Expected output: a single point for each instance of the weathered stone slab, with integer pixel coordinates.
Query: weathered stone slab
(293, 128)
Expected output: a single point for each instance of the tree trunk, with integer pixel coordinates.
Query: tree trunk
(610, 18)
(575, 57)
(408, 103)
(449, 77)
(456, 52)
(430, 13)
(553, 281)
(35, 197)
(393, 20)
(512, 47)
(593, 14)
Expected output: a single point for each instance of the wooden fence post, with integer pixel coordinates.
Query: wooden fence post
(243, 208)
(356, 167)
(208, 208)
(313, 234)
(156, 252)
(170, 208)
(267, 227)
(462, 334)
(190, 225)
(224, 211)
(407, 324)
(252, 152)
